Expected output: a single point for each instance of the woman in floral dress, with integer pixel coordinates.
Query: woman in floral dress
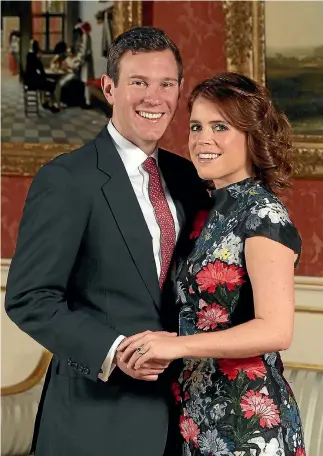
(235, 285)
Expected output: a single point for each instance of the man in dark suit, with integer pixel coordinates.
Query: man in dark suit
(35, 77)
(92, 262)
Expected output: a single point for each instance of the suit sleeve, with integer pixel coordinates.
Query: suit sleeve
(50, 234)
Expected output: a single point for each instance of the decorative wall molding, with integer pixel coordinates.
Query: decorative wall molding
(303, 366)
(309, 295)
(25, 159)
(245, 39)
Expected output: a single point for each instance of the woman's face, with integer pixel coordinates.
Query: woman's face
(217, 149)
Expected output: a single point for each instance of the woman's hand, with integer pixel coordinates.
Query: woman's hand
(143, 347)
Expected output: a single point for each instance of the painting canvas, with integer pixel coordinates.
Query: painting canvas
(294, 62)
(69, 108)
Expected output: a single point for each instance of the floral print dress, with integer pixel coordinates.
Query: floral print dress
(233, 407)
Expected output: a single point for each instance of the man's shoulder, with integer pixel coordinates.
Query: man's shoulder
(76, 160)
(75, 167)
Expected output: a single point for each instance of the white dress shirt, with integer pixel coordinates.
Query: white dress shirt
(133, 159)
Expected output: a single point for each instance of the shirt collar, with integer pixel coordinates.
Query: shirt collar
(131, 156)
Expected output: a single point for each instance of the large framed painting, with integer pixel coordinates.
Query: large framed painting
(280, 44)
(32, 130)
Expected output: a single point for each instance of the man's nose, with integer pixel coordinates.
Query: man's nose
(152, 96)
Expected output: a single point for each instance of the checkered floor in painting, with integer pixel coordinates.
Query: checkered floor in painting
(72, 125)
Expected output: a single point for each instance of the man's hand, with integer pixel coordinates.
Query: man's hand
(148, 371)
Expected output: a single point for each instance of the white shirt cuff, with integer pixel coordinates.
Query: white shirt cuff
(108, 366)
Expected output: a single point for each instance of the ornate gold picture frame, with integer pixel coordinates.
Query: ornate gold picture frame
(245, 44)
(25, 158)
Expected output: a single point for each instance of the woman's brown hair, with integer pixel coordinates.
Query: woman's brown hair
(247, 106)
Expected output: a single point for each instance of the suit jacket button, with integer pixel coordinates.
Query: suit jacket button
(69, 361)
(75, 365)
(86, 371)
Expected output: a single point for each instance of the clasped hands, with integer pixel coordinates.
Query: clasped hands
(146, 355)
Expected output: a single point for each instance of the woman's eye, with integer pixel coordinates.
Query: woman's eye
(195, 127)
(220, 127)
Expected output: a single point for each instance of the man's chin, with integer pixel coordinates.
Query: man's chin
(152, 132)
(153, 136)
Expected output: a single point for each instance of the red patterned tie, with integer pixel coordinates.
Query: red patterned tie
(163, 216)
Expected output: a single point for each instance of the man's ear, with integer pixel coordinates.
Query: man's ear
(181, 87)
(108, 88)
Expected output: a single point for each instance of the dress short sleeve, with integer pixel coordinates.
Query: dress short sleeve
(271, 219)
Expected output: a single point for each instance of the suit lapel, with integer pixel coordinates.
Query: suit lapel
(124, 205)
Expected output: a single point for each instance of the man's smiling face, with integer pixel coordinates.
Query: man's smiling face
(145, 99)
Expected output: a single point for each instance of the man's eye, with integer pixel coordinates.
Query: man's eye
(139, 83)
(167, 84)
(195, 127)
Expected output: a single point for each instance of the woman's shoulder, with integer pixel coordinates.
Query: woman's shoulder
(263, 203)
(267, 216)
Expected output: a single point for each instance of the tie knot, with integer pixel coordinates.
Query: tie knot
(150, 165)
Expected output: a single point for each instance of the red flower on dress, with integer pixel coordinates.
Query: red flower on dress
(253, 367)
(189, 429)
(211, 316)
(257, 404)
(218, 273)
(300, 452)
(176, 391)
(198, 224)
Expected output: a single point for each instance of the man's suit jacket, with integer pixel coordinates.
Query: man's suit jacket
(83, 273)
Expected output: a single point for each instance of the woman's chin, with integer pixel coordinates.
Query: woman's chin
(205, 175)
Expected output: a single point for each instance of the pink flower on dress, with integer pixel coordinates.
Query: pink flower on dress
(189, 429)
(211, 316)
(202, 304)
(257, 404)
(218, 273)
(253, 367)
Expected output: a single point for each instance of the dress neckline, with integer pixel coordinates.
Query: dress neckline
(233, 189)
(225, 197)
